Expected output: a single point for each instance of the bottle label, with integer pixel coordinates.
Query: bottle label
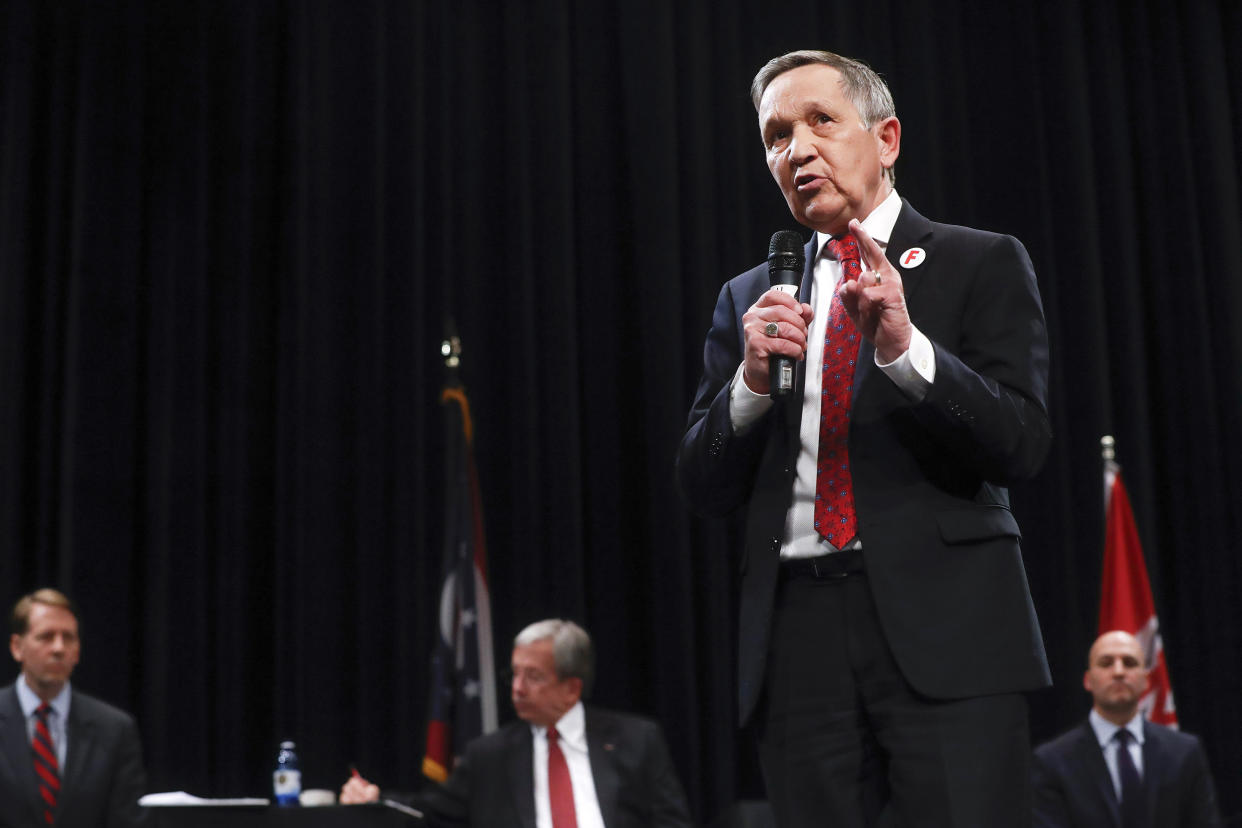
(286, 783)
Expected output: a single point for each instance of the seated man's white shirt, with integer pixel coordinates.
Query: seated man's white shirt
(572, 732)
(56, 722)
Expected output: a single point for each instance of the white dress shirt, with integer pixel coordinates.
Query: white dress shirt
(913, 372)
(571, 728)
(1105, 731)
(56, 721)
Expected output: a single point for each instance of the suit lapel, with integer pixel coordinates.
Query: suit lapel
(16, 761)
(83, 744)
(793, 405)
(1089, 757)
(601, 748)
(521, 765)
(909, 228)
(1155, 765)
(808, 272)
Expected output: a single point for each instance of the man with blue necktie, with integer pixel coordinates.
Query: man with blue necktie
(1118, 769)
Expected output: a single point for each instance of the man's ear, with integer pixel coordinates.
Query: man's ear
(15, 647)
(888, 136)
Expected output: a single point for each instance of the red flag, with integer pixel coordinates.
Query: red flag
(1125, 596)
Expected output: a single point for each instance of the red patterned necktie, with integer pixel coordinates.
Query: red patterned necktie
(47, 768)
(834, 488)
(560, 787)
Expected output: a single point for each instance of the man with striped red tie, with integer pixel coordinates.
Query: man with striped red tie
(66, 759)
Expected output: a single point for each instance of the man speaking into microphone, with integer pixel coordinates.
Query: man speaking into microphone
(887, 631)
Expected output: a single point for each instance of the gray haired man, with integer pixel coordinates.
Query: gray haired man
(562, 760)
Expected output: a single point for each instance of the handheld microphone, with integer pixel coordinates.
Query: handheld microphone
(785, 262)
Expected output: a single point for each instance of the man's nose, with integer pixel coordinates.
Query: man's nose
(801, 146)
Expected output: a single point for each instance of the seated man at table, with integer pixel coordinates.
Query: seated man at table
(66, 759)
(563, 760)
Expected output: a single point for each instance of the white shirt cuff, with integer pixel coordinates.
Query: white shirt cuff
(915, 370)
(745, 406)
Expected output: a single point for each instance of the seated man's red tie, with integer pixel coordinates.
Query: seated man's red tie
(560, 787)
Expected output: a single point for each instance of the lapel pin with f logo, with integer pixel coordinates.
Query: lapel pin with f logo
(912, 257)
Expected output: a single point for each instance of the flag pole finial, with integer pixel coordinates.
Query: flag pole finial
(450, 349)
(1108, 447)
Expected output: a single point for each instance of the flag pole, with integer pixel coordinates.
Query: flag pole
(450, 349)
(463, 698)
(1108, 452)
(1126, 599)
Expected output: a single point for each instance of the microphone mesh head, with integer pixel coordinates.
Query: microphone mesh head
(786, 255)
(785, 241)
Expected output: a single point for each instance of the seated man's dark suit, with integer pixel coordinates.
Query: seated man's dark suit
(494, 785)
(1073, 788)
(102, 777)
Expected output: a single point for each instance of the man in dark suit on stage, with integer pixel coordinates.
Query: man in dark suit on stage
(887, 630)
(562, 761)
(66, 759)
(1118, 770)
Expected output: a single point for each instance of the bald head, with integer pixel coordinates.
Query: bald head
(1114, 640)
(1116, 676)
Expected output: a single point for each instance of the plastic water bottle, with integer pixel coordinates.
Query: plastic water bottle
(287, 778)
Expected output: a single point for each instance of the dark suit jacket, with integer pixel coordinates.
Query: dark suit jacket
(103, 774)
(940, 544)
(1074, 790)
(494, 784)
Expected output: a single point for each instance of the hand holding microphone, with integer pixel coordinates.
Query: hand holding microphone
(777, 325)
(785, 263)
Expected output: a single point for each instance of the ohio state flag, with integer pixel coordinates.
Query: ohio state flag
(462, 704)
(1125, 596)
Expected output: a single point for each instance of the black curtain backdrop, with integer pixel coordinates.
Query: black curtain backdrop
(233, 233)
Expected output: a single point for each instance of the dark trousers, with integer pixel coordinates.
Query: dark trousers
(844, 741)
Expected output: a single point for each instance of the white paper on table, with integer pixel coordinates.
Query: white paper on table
(181, 798)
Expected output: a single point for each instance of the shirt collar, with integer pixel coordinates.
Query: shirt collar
(30, 701)
(879, 223)
(570, 728)
(1105, 730)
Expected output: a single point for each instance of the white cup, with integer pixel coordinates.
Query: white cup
(316, 796)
